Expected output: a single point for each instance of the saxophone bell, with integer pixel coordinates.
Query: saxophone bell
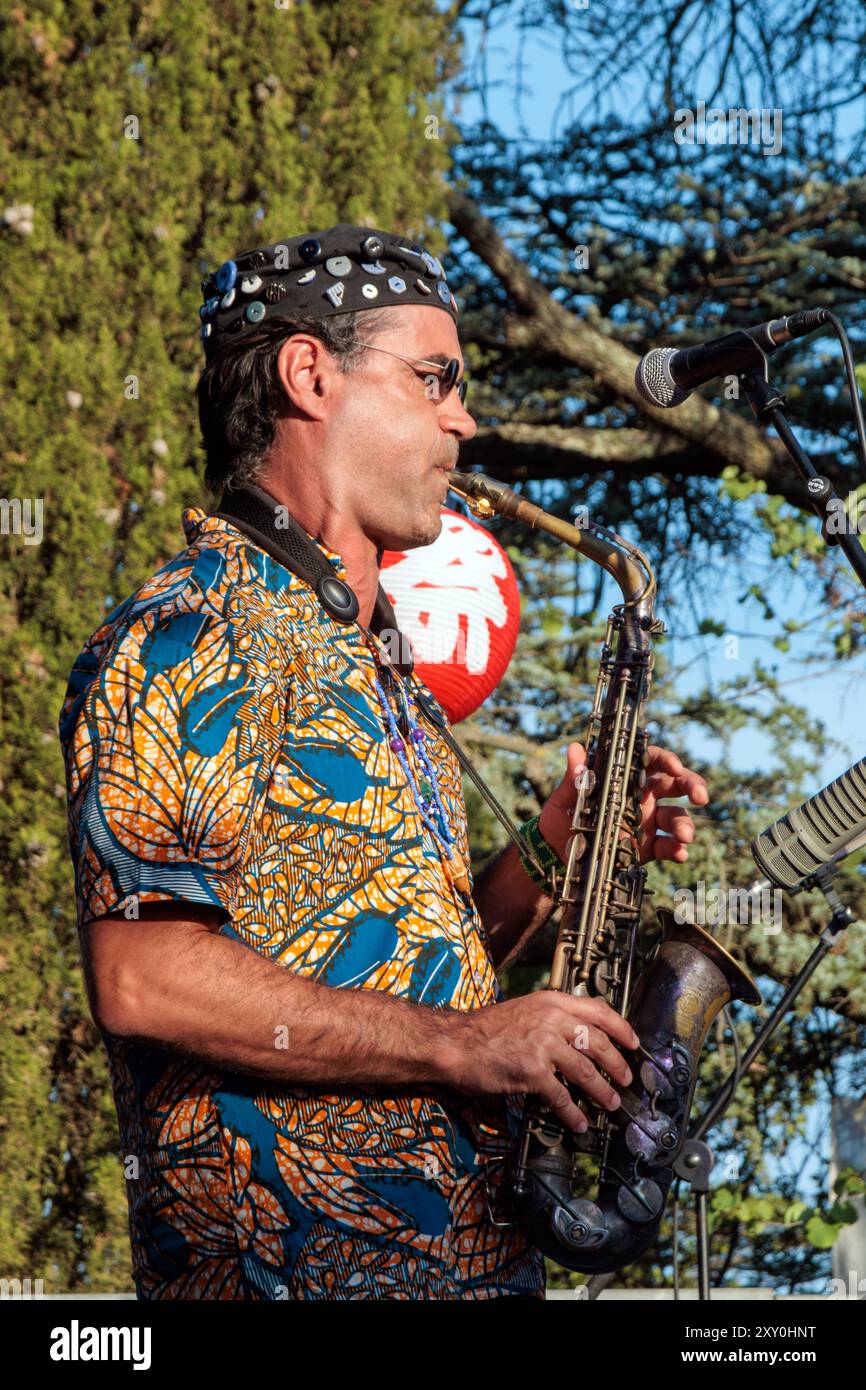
(689, 979)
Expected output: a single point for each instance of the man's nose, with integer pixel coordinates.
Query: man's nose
(454, 418)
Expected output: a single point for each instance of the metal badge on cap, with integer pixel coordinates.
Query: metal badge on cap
(372, 246)
(226, 275)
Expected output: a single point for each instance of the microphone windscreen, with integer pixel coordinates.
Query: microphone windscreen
(830, 822)
(654, 381)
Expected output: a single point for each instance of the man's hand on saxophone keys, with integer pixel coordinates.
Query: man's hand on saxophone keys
(666, 831)
(531, 1043)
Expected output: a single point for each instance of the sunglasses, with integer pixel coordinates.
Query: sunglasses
(447, 374)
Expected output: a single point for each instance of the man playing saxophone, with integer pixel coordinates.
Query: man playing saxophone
(291, 967)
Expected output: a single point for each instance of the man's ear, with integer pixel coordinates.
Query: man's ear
(299, 366)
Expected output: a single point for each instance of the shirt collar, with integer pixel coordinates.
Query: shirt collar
(197, 522)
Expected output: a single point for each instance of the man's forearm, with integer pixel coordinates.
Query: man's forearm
(512, 907)
(205, 995)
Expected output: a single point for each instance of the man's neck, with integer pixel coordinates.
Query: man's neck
(335, 531)
(361, 559)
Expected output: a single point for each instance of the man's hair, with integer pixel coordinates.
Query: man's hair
(240, 395)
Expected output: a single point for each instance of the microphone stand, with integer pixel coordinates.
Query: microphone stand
(769, 405)
(695, 1161)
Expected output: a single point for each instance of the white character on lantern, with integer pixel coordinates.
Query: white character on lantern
(434, 587)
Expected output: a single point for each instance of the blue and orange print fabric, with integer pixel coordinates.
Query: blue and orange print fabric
(224, 746)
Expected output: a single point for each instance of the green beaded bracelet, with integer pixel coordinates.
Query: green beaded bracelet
(545, 856)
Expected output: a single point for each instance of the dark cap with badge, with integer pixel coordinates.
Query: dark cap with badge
(317, 275)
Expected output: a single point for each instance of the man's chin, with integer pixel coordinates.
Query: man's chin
(425, 533)
(433, 532)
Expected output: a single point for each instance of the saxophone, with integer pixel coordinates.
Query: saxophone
(670, 1002)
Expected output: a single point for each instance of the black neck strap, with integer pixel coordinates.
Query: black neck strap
(267, 522)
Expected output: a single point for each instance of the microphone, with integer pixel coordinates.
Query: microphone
(826, 828)
(666, 377)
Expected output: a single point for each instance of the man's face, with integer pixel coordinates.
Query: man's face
(394, 432)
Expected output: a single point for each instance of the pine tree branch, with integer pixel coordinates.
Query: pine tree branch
(516, 452)
(545, 326)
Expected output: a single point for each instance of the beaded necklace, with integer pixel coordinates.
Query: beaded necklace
(409, 743)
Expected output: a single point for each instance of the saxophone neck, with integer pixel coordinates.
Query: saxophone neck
(627, 564)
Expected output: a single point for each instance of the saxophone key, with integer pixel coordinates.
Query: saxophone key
(641, 1201)
(653, 1140)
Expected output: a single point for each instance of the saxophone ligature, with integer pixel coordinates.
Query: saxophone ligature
(670, 998)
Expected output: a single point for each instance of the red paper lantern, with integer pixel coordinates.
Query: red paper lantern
(458, 602)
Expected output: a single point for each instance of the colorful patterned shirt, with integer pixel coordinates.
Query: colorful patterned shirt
(224, 745)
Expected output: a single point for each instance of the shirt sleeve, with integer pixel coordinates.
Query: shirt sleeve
(170, 760)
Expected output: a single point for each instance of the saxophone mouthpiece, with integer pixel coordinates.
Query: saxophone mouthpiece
(466, 485)
(485, 496)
